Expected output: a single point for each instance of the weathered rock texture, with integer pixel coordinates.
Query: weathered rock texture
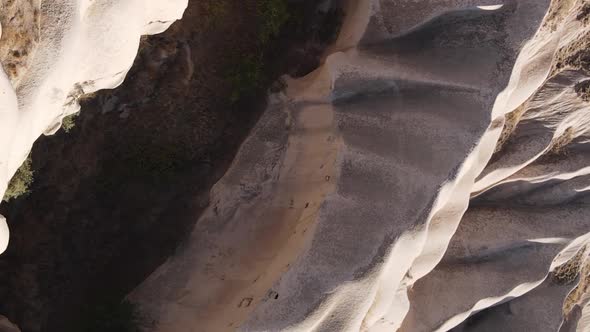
(431, 175)
(19, 35)
(52, 53)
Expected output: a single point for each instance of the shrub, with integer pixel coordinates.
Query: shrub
(247, 75)
(69, 122)
(272, 14)
(20, 182)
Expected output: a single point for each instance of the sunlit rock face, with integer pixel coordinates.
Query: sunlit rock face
(53, 52)
(431, 175)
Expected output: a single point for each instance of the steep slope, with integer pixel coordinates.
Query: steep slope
(529, 207)
(79, 47)
(325, 224)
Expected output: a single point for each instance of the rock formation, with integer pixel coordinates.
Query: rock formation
(345, 209)
(53, 52)
(430, 175)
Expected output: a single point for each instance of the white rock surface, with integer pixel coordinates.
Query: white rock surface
(83, 46)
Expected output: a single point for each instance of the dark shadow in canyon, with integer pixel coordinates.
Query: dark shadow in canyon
(117, 194)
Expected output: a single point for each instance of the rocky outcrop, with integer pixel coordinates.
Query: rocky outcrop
(53, 53)
(429, 176)
(19, 35)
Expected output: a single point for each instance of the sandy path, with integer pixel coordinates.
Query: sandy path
(282, 198)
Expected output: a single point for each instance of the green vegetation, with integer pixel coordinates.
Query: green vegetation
(69, 122)
(272, 15)
(246, 77)
(20, 182)
(215, 12)
(140, 160)
(154, 161)
(111, 316)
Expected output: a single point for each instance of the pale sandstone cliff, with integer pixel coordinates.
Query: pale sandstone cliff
(53, 52)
